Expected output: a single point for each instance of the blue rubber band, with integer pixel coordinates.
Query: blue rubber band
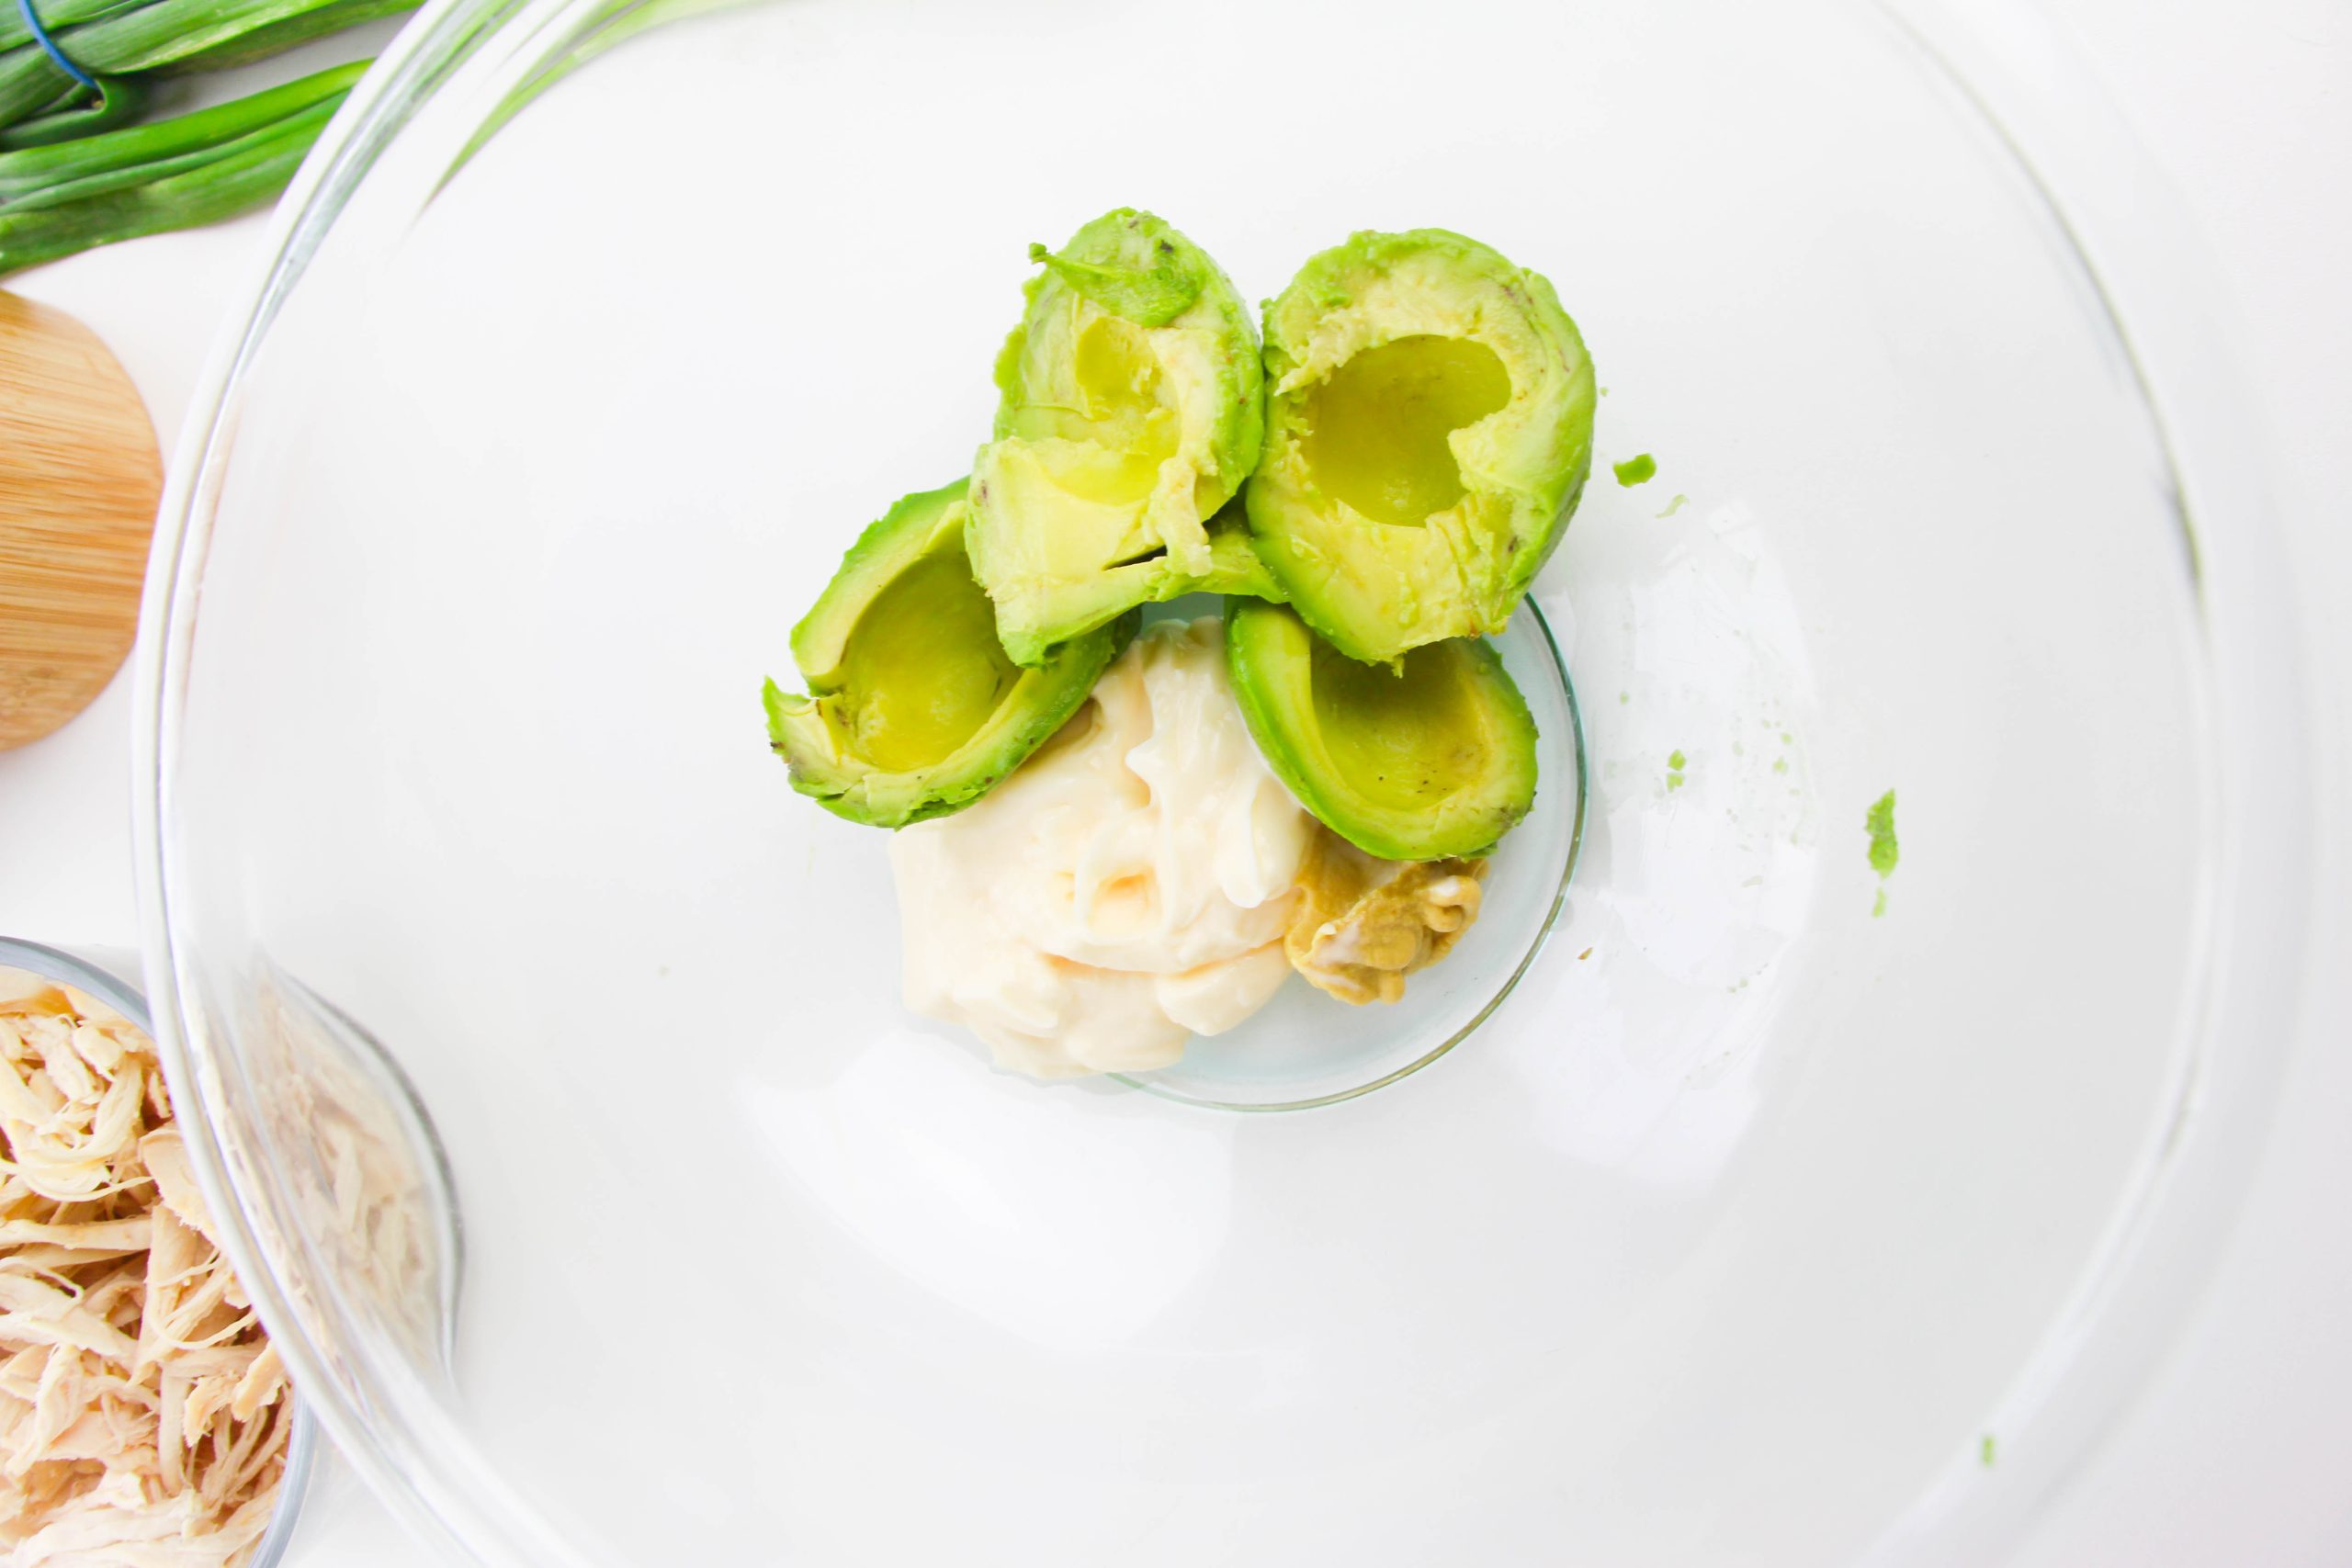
(49, 47)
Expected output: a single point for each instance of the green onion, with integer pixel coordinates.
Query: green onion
(120, 99)
(116, 37)
(73, 174)
(176, 173)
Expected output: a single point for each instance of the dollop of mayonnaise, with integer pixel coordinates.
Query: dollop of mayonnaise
(1125, 889)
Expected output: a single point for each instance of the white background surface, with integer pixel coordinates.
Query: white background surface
(2238, 1451)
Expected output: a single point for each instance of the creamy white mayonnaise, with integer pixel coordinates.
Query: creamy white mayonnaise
(1125, 889)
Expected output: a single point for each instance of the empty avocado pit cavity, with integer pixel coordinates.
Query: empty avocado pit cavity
(923, 671)
(1123, 396)
(1432, 758)
(1428, 429)
(1405, 739)
(913, 710)
(1378, 430)
(1126, 424)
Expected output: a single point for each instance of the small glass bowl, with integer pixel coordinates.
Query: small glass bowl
(110, 976)
(1305, 1050)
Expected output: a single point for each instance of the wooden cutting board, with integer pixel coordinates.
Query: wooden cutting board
(79, 478)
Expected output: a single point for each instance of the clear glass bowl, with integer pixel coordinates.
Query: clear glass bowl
(1780, 1213)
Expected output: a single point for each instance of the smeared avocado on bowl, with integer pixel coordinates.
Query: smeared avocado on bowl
(913, 709)
(1430, 758)
(1131, 411)
(1428, 428)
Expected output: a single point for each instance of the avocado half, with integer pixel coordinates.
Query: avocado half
(1432, 758)
(913, 710)
(1132, 410)
(1429, 427)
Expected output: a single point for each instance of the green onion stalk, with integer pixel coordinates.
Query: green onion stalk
(65, 196)
(115, 38)
(76, 168)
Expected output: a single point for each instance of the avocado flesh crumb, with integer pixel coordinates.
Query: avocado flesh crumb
(922, 672)
(1378, 431)
(1636, 470)
(1403, 738)
(1879, 824)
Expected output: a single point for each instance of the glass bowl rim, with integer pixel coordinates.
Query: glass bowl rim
(2142, 259)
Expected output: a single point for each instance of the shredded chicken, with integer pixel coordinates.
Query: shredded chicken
(367, 1191)
(143, 1420)
(1363, 924)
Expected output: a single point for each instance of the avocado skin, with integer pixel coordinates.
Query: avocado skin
(1374, 590)
(810, 732)
(1138, 268)
(1269, 654)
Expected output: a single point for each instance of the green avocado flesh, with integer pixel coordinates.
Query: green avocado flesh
(1131, 411)
(1233, 567)
(1432, 760)
(915, 710)
(1879, 822)
(1375, 434)
(1429, 430)
(923, 672)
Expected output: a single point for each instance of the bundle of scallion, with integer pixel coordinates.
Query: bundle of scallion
(114, 39)
(74, 172)
(192, 168)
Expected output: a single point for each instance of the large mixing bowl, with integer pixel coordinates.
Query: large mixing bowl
(1781, 1213)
